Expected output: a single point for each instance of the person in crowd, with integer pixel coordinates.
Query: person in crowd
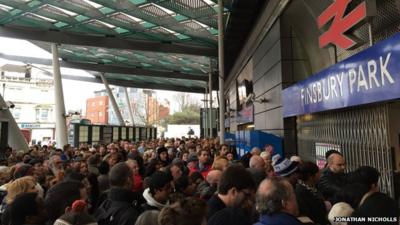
(188, 211)
(309, 199)
(276, 202)
(257, 169)
(55, 164)
(220, 163)
(27, 208)
(137, 184)
(283, 167)
(352, 193)
(118, 208)
(245, 159)
(224, 150)
(61, 196)
(15, 188)
(209, 187)
(374, 203)
(202, 165)
(103, 179)
(149, 217)
(158, 191)
(340, 209)
(230, 156)
(162, 155)
(153, 166)
(333, 177)
(176, 170)
(296, 158)
(77, 214)
(232, 192)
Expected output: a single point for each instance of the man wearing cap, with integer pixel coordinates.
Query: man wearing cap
(283, 167)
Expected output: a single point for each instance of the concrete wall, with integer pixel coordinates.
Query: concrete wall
(275, 65)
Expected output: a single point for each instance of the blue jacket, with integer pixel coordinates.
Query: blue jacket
(278, 219)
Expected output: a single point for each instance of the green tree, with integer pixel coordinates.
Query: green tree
(189, 111)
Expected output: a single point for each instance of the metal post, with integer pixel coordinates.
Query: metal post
(370, 34)
(221, 71)
(61, 123)
(210, 109)
(15, 138)
(113, 102)
(129, 106)
(206, 131)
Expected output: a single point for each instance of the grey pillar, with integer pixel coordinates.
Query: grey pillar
(129, 106)
(113, 102)
(210, 110)
(61, 123)
(221, 71)
(15, 138)
(206, 130)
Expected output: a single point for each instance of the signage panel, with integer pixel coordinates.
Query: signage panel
(246, 115)
(372, 75)
(340, 22)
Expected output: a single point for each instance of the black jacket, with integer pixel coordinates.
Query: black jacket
(120, 208)
(311, 204)
(215, 204)
(330, 184)
(378, 205)
(230, 216)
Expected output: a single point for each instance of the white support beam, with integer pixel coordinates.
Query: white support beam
(113, 102)
(61, 124)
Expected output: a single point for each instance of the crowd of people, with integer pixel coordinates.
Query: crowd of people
(184, 182)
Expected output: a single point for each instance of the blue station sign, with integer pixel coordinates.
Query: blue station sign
(372, 75)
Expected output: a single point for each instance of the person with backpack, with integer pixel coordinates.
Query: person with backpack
(120, 208)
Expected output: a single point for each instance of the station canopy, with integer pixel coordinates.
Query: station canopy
(156, 44)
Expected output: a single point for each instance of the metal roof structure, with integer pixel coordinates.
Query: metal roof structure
(158, 44)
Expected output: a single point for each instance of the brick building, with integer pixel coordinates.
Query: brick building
(97, 109)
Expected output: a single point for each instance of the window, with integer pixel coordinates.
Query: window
(44, 114)
(93, 103)
(37, 113)
(100, 114)
(16, 112)
(100, 102)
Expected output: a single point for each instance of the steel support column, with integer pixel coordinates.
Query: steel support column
(61, 123)
(129, 105)
(15, 138)
(221, 71)
(113, 102)
(210, 92)
(206, 130)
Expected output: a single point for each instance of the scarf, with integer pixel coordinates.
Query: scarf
(151, 201)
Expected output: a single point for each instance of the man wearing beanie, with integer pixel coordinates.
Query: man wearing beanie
(162, 156)
(158, 191)
(283, 167)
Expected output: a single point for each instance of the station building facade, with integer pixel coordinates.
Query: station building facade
(289, 71)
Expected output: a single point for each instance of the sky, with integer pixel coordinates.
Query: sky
(74, 100)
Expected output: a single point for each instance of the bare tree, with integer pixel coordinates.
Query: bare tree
(187, 102)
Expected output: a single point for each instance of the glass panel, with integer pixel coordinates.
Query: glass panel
(83, 133)
(95, 134)
(115, 133)
(123, 133)
(130, 133)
